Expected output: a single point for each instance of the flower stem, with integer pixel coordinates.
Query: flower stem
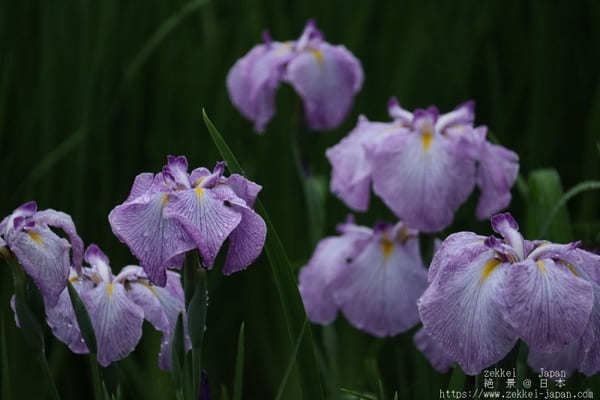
(46, 369)
(313, 187)
(96, 379)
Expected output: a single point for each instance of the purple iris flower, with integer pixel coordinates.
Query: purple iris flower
(44, 255)
(326, 77)
(374, 276)
(117, 306)
(485, 293)
(172, 212)
(423, 165)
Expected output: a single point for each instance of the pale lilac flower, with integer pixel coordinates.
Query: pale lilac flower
(374, 276)
(485, 293)
(43, 254)
(172, 212)
(326, 77)
(117, 306)
(423, 166)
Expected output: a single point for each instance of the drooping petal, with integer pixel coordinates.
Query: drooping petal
(327, 78)
(588, 350)
(62, 320)
(206, 219)
(461, 310)
(351, 170)
(117, 321)
(155, 239)
(315, 279)
(497, 172)
(377, 291)
(63, 221)
(562, 362)
(422, 178)
(244, 189)
(45, 257)
(547, 304)
(246, 240)
(433, 351)
(254, 78)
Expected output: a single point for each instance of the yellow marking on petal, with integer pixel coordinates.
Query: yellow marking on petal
(150, 288)
(387, 246)
(74, 279)
(426, 139)
(570, 266)
(541, 266)
(488, 268)
(199, 191)
(35, 237)
(164, 200)
(318, 55)
(109, 289)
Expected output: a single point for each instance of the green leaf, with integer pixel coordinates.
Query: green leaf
(83, 319)
(457, 380)
(178, 352)
(195, 278)
(291, 363)
(545, 190)
(30, 325)
(239, 367)
(315, 192)
(291, 303)
(574, 191)
(357, 394)
(196, 295)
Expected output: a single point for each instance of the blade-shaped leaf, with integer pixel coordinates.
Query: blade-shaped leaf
(83, 319)
(291, 303)
(178, 352)
(239, 367)
(574, 191)
(545, 190)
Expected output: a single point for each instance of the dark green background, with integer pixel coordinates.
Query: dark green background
(86, 104)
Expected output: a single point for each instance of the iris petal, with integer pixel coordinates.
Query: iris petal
(327, 78)
(547, 304)
(117, 321)
(153, 238)
(378, 289)
(461, 310)
(206, 219)
(423, 182)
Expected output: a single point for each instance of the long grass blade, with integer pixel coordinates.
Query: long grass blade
(239, 367)
(281, 269)
(291, 363)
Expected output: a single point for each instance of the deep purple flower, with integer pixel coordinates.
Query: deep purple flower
(374, 276)
(43, 254)
(326, 77)
(485, 293)
(117, 306)
(172, 212)
(423, 165)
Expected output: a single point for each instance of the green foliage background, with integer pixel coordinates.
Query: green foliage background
(94, 92)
